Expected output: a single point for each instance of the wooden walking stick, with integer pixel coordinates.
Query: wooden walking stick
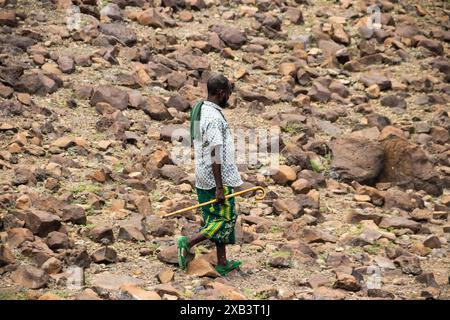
(261, 196)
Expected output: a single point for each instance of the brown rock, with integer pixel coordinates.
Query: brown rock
(30, 277)
(421, 215)
(151, 18)
(119, 31)
(232, 37)
(41, 223)
(202, 268)
(372, 78)
(8, 18)
(406, 164)
(156, 109)
(193, 62)
(339, 35)
(380, 293)
(432, 242)
(357, 158)
(170, 255)
(288, 69)
(133, 292)
(347, 282)
(66, 64)
(166, 288)
(179, 103)
(284, 174)
(57, 240)
(52, 266)
(302, 186)
(87, 294)
(409, 264)
(186, 16)
(64, 142)
(104, 255)
(6, 256)
(317, 236)
(173, 173)
(17, 236)
(399, 222)
(106, 283)
(74, 214)
(131, 232)
(166, 276)
(294, 15)
(393, 101)
(398, 199)
(160, 158)
(427, 279)
(110, 94)
(101, 232)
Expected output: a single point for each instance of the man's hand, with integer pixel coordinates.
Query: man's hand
(220, 196)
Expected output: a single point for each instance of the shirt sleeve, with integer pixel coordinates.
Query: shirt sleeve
(213, 133)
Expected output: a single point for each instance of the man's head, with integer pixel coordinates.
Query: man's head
(219, 90)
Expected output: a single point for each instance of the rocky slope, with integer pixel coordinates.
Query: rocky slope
(88, 104)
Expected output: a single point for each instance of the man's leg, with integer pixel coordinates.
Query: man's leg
(196, 239)
(221, 254)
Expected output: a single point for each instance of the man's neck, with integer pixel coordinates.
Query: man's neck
(213, 100)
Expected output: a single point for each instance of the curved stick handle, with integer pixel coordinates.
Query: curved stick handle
(262, 195)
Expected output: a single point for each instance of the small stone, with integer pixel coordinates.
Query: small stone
(202, 268)
(427, 279)
(166, 276)
(284, 174)
(52, 266)
(347, 282)
(432, 242)
(133, 292)
(409, 264)
(57, 240)
(104, 255)
(380, 293)
(101, 232)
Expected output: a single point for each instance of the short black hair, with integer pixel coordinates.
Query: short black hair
(218, 83)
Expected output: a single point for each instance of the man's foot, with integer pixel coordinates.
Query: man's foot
(183, 249)
(230, 266)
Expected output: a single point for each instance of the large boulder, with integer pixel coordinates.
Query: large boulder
(407, 166)
(356, 158)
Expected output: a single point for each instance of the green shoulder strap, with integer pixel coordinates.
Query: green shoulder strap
(195, 120)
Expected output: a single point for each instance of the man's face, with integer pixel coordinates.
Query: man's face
(225, 95)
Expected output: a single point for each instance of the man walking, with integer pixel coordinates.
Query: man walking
(216, 174)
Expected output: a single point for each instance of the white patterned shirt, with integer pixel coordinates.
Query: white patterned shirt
(214, 131)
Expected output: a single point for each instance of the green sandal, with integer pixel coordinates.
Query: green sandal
(231, 265)
(182, 244)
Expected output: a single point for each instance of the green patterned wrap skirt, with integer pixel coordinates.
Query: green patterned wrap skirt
(219, 221)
